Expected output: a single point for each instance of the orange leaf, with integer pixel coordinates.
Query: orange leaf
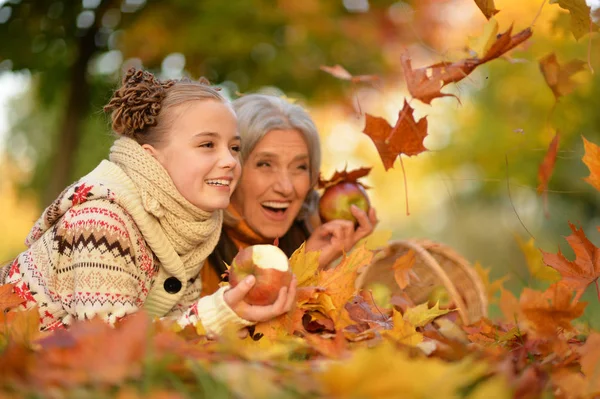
(8, 299)
(585, 269)
(425, 83)
(403, 269)
(406, 137)
(592, 160)
(343, 176)
(340, 72)
(552, 309)
(487, 7)
(590, 362)
(559, 78)
(547, 166)
(21, 327)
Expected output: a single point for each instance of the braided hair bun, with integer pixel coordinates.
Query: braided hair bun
(136, 104)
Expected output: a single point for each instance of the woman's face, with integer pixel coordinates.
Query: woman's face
(201, 153)
(274, 183)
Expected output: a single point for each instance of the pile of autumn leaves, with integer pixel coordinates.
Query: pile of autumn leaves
(336, 343)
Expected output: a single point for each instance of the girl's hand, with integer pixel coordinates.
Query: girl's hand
(338, 236)
(283, 304)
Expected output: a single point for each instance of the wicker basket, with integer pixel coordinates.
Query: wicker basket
(435, 265)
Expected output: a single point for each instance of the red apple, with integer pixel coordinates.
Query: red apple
(336, 201)
(269, 265)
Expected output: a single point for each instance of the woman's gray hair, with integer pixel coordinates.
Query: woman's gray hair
(258, 114)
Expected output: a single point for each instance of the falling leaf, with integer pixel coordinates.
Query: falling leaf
(8, 299)
(403, 269)
(343, 176)
(339, 281)
(547, 167)
(490, 287)
(487, 7)
(592, 160)
(585, 269)
(554, 308)
(305, 265)
(340, 72)
(559, 78)
(481, 44)
(535, 263)
(425, 83)
(580, 16)
(422, 314)
(406, 137)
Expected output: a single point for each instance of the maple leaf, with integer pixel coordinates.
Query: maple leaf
(339, 282)
(21, 327)
(558, 77)
(406, 137)
(403, 331)
(490, 287)
(509, 305)
(8, 299)
(340, 72)
(421, 315)
(403, 269)
(554, 308)
(547, 167)
(487, 7)
(580, 16)
(425, 83)
(592, 160)
(535, 263)
(304, 265)
(343, 176)
(590, 362)
(585, 269)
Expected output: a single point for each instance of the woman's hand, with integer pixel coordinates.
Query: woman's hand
(338, 236)
(283, 304)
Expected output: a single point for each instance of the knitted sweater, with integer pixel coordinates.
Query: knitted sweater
(96, 251)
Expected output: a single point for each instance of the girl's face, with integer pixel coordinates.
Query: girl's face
(274, 184)
(201, 153)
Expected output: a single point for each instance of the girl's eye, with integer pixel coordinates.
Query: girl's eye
(210, 144)
(236, 148)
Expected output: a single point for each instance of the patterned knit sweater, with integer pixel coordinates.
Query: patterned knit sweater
(97, 252)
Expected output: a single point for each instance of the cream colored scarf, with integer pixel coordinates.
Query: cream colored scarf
(192, 232)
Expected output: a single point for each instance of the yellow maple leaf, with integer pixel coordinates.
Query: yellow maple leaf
(403, 332)
(490, 287)
(592, 161)
(376, 240)
(305, 266)
(535, 262)
(481, 44)
(422, 315)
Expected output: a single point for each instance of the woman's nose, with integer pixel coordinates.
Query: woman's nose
(284, 185)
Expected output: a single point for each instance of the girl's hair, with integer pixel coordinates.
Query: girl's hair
(140, 107)
(258, 114)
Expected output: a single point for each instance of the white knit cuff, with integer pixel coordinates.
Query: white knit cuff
(216, 315)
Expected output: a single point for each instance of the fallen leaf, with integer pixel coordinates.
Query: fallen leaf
(592, 160)
(425, 83)
(406, 137)
(8, 299)
(535, 263)
(580, 16)
(305, 265)
(340, 72)
(403, 268)
(547, 167)
(509, 306)
(487, 7)
(558, 77)
(422, 314)
(20, 326)
(585, 269)
(550, 310)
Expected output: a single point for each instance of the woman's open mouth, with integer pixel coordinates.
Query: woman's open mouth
(275, 210)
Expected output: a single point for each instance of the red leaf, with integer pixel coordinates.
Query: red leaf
(406, 137)
(343, 176)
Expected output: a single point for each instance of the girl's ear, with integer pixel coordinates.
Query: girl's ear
(151, 150)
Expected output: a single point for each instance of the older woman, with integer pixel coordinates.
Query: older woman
(275, 198)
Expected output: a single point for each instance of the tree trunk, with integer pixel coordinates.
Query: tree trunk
(78, 103)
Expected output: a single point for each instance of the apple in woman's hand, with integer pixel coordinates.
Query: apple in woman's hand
(336, 201)
(270, 267)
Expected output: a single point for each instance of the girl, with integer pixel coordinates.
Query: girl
(134, 232)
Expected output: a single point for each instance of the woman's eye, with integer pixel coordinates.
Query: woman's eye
(210, 144)
(262, 164)
(303, 167)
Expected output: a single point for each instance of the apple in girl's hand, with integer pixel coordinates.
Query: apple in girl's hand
(270, 267)
(336, 201)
